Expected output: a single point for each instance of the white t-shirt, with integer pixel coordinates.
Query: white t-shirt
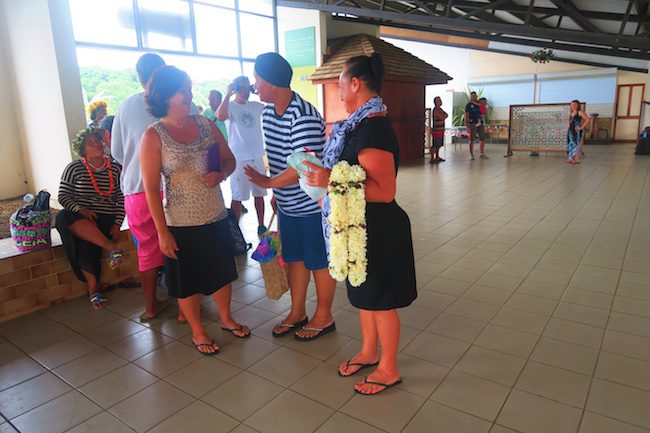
(131, 120)
(245, 130)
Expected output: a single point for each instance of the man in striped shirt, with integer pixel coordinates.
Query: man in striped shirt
(290, 125)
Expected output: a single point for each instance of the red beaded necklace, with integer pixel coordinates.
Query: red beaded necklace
(111, 181)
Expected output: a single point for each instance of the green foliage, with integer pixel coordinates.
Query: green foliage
(115, 86)
(458, 114)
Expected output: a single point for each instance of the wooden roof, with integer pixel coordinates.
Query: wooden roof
(399, 64)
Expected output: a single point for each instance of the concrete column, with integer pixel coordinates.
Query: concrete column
(48, 101)
(13, 177)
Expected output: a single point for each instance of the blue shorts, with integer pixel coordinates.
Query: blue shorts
(302, 240)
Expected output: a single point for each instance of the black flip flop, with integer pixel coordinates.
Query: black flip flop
(240, 329)
(289, 327)
(361, 366)
(211, 343)
(321, 332)
(385, 385)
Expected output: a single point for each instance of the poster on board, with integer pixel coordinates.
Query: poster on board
(300, 49)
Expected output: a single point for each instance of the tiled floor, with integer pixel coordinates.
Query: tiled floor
(533, 316)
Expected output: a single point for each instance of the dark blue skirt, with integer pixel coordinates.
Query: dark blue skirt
(391, 264)
(205, 261)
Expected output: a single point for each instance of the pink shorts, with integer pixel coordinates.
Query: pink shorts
(144, 231)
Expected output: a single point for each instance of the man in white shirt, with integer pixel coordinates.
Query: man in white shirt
(246, 142)
(131, 120)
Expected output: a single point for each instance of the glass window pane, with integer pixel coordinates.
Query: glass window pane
(249, 68)
(264, 7)
(257, 35)
(108, 74)
(165, 24)
(206, 74)
(216, 31)
(224, 3)
(116, 26)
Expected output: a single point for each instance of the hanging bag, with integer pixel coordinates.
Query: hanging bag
(274, 270)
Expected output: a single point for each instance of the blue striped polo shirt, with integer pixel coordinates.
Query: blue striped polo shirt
(300, 126)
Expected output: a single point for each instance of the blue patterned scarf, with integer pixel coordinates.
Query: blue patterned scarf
(336, 143)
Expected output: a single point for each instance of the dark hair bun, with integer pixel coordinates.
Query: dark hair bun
(377, 66)
(368, 69)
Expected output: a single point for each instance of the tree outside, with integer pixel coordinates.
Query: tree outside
(115, 86)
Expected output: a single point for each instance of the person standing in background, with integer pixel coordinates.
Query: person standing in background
(576, 123)
(131, 120)
(247, 144)
(438, 130)
(97, 111)
(475, 127)
(214, 98)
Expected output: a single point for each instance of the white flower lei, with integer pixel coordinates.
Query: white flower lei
(348, 237)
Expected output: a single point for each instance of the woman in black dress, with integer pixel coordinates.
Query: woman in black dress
(367, 138)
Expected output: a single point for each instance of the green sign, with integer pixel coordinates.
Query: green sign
(300, 47)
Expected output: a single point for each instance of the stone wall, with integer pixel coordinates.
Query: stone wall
(34, 281)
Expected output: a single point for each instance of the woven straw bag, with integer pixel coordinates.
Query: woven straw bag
(276, 277)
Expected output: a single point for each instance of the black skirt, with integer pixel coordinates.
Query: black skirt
(82, 255)
(391, 265)
(205, 261)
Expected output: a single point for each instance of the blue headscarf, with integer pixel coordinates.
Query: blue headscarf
(336, 143)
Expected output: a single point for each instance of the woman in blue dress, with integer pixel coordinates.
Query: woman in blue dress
(578, 121)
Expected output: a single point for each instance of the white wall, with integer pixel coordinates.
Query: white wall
(13, 178)
(293, 19)
(453, 61)
(340, 29)
(48, 103)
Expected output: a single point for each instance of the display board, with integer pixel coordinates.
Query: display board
(539, 127)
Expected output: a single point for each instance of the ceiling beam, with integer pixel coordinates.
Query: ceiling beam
(642, 9)
(492, 5)
(576, 15)
(626, 18)
(473, 25)
(540, 10)
(529, 12)
(514, 41)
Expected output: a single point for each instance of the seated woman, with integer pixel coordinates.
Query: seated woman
(93, 211)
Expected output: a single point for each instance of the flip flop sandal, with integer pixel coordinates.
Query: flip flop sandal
(145, 319)
(321, 332)
(385, 386)
(289, 327)
(97, 300)
(240, 329)
(115, 258)
(199, 345)
(361, 366)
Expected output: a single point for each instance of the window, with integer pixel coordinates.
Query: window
(214, 41)
(262, 7)
(234, 29)
(116, 27)
(262, 40)
(216, 31)
(165, 24)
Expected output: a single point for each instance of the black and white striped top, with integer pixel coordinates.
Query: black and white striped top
(301, 126)
(76, 190)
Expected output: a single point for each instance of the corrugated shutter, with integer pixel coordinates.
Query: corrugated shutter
(506, 94)
(593, 90)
